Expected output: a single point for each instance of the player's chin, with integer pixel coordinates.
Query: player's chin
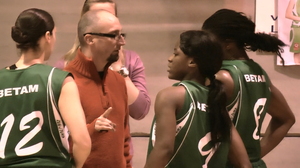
(170, 76)
(173, 76)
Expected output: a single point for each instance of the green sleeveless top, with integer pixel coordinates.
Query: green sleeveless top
(249, 103)
(192, 143)
(32, 131)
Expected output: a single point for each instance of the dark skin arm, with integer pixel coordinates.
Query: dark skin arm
(166, 104)
(282, 120)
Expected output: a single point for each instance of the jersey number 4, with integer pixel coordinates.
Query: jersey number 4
(20, 151)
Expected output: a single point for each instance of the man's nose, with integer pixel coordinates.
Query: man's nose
(121, 41)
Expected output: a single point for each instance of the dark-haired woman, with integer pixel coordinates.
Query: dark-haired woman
(191, 127)
(250, 93)
(39, 104)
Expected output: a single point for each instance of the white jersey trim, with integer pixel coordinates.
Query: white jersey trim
(63, 130)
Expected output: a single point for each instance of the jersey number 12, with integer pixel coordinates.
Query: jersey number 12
(20, 151)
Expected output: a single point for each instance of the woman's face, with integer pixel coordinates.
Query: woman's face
(178, 64)
(110, 7)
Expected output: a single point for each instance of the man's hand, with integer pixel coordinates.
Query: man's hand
(104, 124)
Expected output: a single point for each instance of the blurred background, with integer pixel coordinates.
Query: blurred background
(152, 29)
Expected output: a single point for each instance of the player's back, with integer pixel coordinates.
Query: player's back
(249, 103)
(193, 147)
(29, 133)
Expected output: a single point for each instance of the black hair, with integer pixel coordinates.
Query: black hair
(30, 26)
(228, 24)
(207, 53)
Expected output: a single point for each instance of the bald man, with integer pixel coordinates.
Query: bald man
(102, 91)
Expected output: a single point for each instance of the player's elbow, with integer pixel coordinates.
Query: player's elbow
(168, 152)
(83, 142)
(292, 120)
(167, 149)
(288, 120)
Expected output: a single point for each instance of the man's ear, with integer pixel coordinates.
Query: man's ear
(88, 39)
(192, 63)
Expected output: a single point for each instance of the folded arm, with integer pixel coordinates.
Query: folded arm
(281, 122)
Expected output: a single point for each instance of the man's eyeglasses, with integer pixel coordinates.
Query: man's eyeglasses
(114, 36)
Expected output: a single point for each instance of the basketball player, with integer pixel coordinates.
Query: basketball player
(250, 93)
(191, 127)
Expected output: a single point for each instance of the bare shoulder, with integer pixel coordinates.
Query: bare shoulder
(225, 77)
(172, 94)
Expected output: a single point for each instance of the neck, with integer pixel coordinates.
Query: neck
(235, 53)
(240, 55)
(29, 58)
(196, 77)
(98, 61)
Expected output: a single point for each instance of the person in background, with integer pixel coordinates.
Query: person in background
(129, 65)
(250, 92)
(39, 104)
(101, 89)
(191, 127)
(292, 12)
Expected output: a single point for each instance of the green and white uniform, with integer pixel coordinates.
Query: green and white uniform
(32, 131)
(249, 103)
(193, 148)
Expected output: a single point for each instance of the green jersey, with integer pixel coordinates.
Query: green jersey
(32, 131)
(192, 142)
(249, 103)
